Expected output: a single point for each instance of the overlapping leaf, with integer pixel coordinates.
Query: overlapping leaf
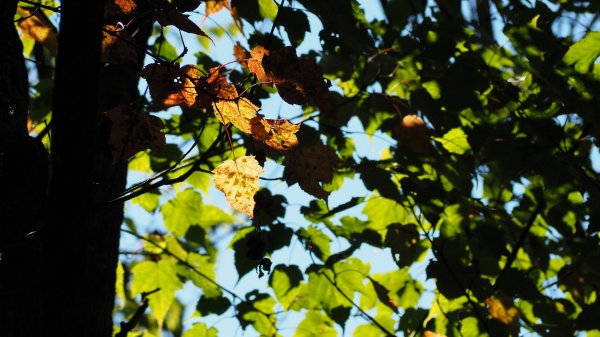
(311, 167)
(238, 179)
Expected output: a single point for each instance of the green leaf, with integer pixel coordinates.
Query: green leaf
(200, 330)
(285, 281)
(316, 241)
(148, 201)
(584, 52)
(200, 180)
(454, 141)
(149, 276)
(315, 324)
(268, 9)
(120, 285)
(368, 330)
(383, 212)
(203, 265)
(187, 209)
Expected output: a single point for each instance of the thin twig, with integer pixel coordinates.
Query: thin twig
(126, 327)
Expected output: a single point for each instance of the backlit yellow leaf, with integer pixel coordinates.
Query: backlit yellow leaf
(500, 312)
(38, 28)
(277, 134)
(239, 181)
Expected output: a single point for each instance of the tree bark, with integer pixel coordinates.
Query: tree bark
(23, 181)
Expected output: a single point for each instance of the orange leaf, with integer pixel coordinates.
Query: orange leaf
(255, 63)
(309, 167)
(227, 105)
(241, 55)
(133, 131)
(38, 28)
(277, 134)
(507, 314)
(126, 6)
(413, 133)
(239, 181)
(118, 46)
(171, 85)
(173, 17)
(215, 6)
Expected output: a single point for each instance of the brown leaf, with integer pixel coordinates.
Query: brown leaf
(118, 46)
(298, 80)
(310, 167)
(133, 131)
(239, 181)
(173, 17)
(171, 86)
(126, 6)
(277, 134)
(413, 133)
(241, 55)
(38, 28)
(255, 63)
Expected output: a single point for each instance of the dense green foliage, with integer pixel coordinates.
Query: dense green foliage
(488, 186)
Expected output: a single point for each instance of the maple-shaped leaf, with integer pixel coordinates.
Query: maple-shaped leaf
(126, 6)
(118, 46)
(171, 85)
(173, 17)
(501, 311)
(277, 134)
(133, 131)
(38, 28)
(310, 167)
(228, 106)
(238, 179)
(298, 80)
(255, 63)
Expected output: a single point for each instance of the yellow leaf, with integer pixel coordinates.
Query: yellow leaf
(228, 106)
(277, 134)
(38, 28)
(239, 181)
(500, 312)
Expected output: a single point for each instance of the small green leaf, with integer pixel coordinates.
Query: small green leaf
(315, 324)
(268, 9)
(584, 52)
(149, 276)
(454, 141)
(316, 241)
(204, 265)
(200, 180)
(383, 212)
(148, 201)
(200, 330)
(120, 284)
(285, 281)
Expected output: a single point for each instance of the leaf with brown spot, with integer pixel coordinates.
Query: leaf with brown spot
(239, 181)
(227, 105)
(38, 28)
(118, 46)
(310, 167)
(255, 63)
(133, 131)
(173, 17)
(277, 134)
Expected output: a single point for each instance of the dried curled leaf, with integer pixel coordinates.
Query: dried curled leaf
(310, 167)
(255, 63)
(118, 46)
(507, 314)
(38, 28)
(241, 55)
(133, 131)
(277, 134)
(239, 181)
(171, 85)
(173, 17)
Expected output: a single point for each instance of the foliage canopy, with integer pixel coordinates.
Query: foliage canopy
(487, 112)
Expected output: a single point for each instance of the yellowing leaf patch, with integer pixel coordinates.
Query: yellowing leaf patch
(239, 181)
(505, 314)
(277, 134)
(38, 28)
(310, 167)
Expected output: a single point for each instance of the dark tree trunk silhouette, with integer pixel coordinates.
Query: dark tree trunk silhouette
(58, 262)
